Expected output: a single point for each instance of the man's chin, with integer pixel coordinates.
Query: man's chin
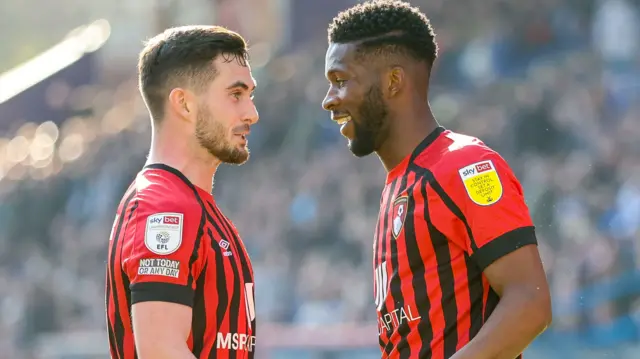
(358, 150)
(238, 158)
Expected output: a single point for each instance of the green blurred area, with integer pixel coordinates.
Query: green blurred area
(27, 27)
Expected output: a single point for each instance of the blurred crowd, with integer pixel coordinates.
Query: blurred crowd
(553, 85)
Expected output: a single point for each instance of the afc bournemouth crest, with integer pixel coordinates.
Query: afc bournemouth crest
(399, 214)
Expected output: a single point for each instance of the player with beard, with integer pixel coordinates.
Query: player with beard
(178, 274)
(457, 273)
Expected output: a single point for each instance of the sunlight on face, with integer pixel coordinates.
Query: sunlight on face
(226, 111)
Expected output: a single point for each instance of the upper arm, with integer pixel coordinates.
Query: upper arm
(158, 324)
(493, 225)
(162, 263)
(494, 219)
(521, 269)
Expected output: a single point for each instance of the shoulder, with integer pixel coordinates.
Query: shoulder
(456, 153)
(166, 215)
(165, 206)
(162, 190)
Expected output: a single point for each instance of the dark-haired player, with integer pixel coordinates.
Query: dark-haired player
(179, 281)
(457, 272)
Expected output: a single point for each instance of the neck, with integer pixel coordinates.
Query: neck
(192, 161)
(409, 128)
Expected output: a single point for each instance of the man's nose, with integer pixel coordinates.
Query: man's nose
(253, 116)
(330, 101)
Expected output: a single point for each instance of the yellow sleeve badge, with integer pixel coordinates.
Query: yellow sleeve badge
(482, 182)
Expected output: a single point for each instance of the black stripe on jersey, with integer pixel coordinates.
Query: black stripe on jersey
(417, 267)
(396, 288)
(476, 290)
(426, 142)
(385, 227)
(235, 241)
(112, 338)
(376, 251)
(118, 326)
(476, 295)
(453, 207)
(126, 282)
(199, 314)
(419, 283)
(221, 286)
(125, 278)
(504, 245)
(244, 260)
(447, 282)
(166, 292)
(234, 305)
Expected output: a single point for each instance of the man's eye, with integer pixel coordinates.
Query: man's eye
(341, 83)
(236, 95)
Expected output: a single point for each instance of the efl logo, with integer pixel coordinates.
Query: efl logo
(164, 232)
(171, 220)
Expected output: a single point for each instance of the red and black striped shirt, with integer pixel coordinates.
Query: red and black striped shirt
(448, 211)
(171, 243)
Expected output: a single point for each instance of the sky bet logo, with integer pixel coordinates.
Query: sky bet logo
(476, 169)
(166, 220)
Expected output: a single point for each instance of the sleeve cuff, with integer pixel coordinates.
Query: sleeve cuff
(504, 245)
(161, 292)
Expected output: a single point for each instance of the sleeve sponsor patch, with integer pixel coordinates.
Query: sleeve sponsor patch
(482, 182)
(159, 266)
(163, 234)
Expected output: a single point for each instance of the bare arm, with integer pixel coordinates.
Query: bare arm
(161, 330)
(524, 310)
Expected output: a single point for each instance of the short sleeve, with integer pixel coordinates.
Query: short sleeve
(492, 203)
(164, 258)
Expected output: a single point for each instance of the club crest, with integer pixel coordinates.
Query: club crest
(399, 214)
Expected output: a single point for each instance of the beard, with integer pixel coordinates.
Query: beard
(212, 136)
(370, 128)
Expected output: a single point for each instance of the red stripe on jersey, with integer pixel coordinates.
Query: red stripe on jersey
(384, 272)
(400, 267)
(459, 277)
(117, 299)
(435, 319)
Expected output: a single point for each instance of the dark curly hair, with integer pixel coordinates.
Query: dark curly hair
(386, 27)
(183, 57)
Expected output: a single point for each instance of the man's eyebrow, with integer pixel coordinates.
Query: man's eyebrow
(242, 85)
(335, 71)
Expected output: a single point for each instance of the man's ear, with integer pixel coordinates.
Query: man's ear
(182, 103)
(395, 80)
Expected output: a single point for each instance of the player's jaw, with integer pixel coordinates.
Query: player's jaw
(367, 128)
(228, 146)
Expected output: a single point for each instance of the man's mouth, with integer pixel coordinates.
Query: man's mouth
(243, 132)
(342, 119)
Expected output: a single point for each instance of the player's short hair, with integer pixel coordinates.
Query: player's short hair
(386, 27)
(183, 57)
